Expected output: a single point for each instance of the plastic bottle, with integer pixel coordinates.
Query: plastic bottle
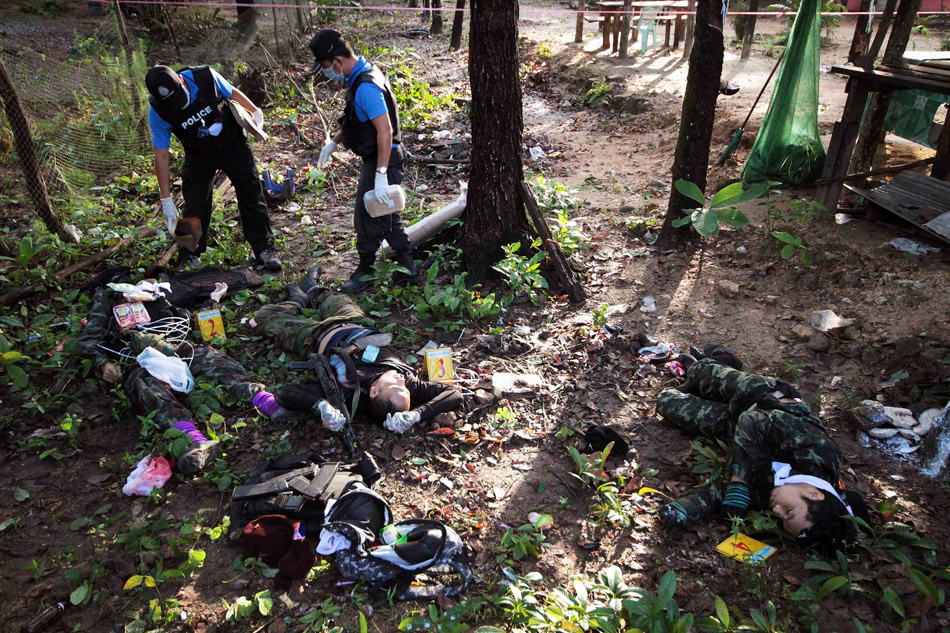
(397, 202)
(44, 619)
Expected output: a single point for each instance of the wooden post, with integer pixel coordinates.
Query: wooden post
(862, 34)
(843, 137)
(436, 28)
(749, 33)
(941, 168)
(36, 186)
(606, 25)
(877, 108)
(457, 22)
(625, 29)
(579, 23)
(886, 18)
(690, 27)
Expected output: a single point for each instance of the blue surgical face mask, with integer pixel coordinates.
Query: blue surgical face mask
(332, 75)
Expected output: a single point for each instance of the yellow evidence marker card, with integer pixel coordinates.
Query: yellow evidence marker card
(745, 549)
(211, 324)
(439, 365)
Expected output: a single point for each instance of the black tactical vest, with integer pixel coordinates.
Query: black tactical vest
(360, 136)
(191, 124)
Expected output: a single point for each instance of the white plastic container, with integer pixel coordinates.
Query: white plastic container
(376, 209)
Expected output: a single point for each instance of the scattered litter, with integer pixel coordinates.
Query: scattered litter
(677, 368)
(742, 250)
(422, 188)
(516, 385)
(293, 207)
(827, 320)
(537, 153)
(842, 218)
(649, 304)
(442, 135)
(542, 522)
(910, 283)
(151, 473)
(659, 353)
(910, 246)
(522, 330)
(306, 220)
(428, 346)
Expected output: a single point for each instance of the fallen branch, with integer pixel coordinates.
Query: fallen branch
(28, 291)
(875, 172)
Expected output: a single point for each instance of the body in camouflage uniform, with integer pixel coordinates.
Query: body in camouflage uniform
(284, 322)
(742, 409)
(147, 392)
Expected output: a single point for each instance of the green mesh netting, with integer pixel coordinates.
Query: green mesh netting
(787, 148)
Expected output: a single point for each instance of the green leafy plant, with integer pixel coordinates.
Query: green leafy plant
(522, 273)
(520, 543)
(597, 91)
(242, 608)
(706, 220)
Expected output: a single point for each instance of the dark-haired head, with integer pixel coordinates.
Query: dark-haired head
(832, 527)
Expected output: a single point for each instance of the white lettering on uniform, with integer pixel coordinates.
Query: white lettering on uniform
(196, 117)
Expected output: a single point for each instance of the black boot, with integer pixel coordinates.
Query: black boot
(295, 294)
(311, 280)
(356, 283)
(405, 260)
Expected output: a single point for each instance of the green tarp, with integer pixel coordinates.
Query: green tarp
(787, 148)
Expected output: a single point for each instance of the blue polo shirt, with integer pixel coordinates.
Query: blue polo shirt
(369, 101)
(162, 129)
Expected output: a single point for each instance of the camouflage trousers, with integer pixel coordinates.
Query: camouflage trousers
(710, 402)
(285, 323)
(150, 394)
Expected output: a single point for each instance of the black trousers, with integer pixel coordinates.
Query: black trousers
(197, 188)
(370, 231)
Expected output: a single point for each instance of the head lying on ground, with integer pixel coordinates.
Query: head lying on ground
(816, 517)
(389, 394)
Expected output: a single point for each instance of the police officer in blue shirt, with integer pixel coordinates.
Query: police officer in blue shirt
(192, 105)
(369, 128)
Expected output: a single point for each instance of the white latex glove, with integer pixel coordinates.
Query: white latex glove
(325, 154)
(111, 373)
(401, 421)
(170, 211)
(381, 188)
(331, 417)
(259, 118)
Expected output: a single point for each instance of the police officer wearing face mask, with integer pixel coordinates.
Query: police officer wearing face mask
(193, 106)
(370, 129)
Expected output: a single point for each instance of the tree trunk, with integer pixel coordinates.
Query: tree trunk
(691, 160)
(862, 34)
(749, 33)
(436, 18)
(495, 213)
(690, 29)
(871, 56)
(873, 122)
(456, 42)
(36, 186)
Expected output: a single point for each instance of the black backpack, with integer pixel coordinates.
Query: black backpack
(298, 487)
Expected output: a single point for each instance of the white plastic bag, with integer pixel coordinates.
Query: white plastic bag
(169, 369)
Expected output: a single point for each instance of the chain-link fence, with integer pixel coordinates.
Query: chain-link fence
(86, 112)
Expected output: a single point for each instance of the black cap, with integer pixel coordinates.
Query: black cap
(163, 84)
(325, 45)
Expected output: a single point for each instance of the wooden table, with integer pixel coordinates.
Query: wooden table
(639, 7)
(610, 12)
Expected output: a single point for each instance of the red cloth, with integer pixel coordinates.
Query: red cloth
(277, 540)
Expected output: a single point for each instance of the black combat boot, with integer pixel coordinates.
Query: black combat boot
(356, 283)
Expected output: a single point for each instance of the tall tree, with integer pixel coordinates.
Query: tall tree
(495, 214)
(691, 160)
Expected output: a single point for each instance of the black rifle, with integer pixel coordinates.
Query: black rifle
(326, 376)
